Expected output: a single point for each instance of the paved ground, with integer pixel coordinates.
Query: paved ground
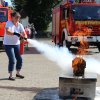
(39, 73)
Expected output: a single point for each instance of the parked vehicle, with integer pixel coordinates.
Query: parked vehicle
(70, 19)
(5, 12)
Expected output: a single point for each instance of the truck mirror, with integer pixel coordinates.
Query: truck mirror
(73, 11)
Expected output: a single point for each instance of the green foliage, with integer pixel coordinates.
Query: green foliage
(77, 1)
(39, 11)
(19, 4)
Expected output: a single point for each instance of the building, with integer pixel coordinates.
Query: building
(25, 21)
(98, 1)
(1, 2)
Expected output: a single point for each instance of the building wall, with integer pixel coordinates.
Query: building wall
(1, 1)
(25, 22)
(98, 1)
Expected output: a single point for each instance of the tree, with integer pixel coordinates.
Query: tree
(38, 11)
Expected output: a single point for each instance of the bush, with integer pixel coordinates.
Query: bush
(43, 35)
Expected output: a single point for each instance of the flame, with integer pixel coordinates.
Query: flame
(86, 31)
(78, 65)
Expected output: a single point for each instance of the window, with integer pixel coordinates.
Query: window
(65, 13)
(86, 12)
(3, 15)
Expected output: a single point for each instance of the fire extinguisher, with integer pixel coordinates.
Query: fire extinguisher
(22, 43)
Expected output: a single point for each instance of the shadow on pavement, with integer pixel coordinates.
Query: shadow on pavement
(53, 94)
(32, 89)
(47, 94)
(2, 50)
(31, 50)
(2, 79)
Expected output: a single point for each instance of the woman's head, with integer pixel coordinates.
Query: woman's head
(15, 17)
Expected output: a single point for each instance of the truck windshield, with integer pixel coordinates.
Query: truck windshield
(3, 15)
(86, 12)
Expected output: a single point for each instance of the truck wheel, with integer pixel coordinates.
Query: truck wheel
(98, 47)
(1, 45)
(65, 42)
(68, 45)
(62, 44)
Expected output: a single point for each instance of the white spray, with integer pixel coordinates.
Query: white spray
(63, 57)
(92, 65)
(59, 55)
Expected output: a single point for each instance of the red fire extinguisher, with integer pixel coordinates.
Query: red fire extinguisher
(22, 43)
(22, 47)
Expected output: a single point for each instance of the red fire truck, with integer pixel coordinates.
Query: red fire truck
(70, 18)
(5, 12)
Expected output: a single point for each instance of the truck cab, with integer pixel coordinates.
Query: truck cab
(73, 22)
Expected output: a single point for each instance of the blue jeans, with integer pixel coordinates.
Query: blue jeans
(13, 52)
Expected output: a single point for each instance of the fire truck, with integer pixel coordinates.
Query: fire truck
(5, 12)
(70, 17)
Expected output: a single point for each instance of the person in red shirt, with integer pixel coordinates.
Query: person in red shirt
(28, 31)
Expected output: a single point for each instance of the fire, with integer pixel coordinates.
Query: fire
(78, 65)
(86, 31)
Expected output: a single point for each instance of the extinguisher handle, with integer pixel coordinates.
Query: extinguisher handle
(23, 38)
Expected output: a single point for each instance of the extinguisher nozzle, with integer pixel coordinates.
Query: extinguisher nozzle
(21, 38)
(25, 38)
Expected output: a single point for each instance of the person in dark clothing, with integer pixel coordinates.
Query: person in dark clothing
(33, 32)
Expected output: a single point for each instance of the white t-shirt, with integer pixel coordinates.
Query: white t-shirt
(13, 39)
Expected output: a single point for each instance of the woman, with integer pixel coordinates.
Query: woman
(13, 31)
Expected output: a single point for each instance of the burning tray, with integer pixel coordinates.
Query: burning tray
(76, 87)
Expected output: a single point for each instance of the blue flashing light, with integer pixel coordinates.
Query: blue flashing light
(71, 1)
(6, 4)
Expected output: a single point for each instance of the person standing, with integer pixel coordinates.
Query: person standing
(33, 32)
(28, 31)
(13, 31)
